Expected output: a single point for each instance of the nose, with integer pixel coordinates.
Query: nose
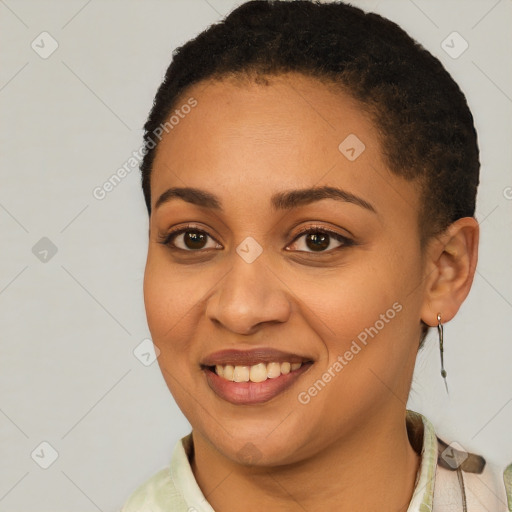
(250, 295)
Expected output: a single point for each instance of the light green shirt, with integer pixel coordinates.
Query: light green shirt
(448, 479)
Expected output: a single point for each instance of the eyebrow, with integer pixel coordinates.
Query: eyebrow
(280, 201)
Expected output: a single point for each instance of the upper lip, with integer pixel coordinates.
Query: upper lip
(251, 357)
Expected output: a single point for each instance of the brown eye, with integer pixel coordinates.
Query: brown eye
(319, 240)
(194, 239)
(191, 240)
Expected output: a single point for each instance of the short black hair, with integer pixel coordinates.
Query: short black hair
(425, 126)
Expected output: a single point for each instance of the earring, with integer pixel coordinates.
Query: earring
(441, 348)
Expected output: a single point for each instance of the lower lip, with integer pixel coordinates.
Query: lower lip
(248, 393)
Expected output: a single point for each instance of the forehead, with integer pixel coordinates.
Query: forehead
(254, 139)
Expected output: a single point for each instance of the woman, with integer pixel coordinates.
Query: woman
(310, 175)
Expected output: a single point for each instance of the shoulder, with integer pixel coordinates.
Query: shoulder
(452, 479)
(470, 482)
(157, 494)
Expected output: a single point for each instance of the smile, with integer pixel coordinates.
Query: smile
(256, 373)
(256, 384)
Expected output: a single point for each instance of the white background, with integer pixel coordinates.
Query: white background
(68, 375)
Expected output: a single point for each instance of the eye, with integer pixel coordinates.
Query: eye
(318, 239)
(189, 238)
(315, 239)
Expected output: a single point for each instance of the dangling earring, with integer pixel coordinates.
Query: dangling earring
(441, 348)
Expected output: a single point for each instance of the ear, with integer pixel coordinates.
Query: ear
(449, 270)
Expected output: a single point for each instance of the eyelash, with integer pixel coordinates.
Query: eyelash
(171, 235)
(345, 242)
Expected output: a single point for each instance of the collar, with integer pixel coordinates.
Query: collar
(424, 441)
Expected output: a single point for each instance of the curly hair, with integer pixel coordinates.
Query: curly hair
(425, 127)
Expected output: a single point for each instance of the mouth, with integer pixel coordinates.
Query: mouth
(253, 377)
(256, 373)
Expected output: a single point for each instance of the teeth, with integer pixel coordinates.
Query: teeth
(241, 373)
(273, 370)
(228, 371)
(256, 373)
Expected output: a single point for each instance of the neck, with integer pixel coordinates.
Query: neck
(373, 469)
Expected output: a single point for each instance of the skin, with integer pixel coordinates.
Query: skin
(243, 142)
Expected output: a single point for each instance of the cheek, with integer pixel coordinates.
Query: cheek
(169, 298)
(369, 311)
(353, 299)
(175, 299)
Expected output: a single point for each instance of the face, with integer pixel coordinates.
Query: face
(315, 297)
